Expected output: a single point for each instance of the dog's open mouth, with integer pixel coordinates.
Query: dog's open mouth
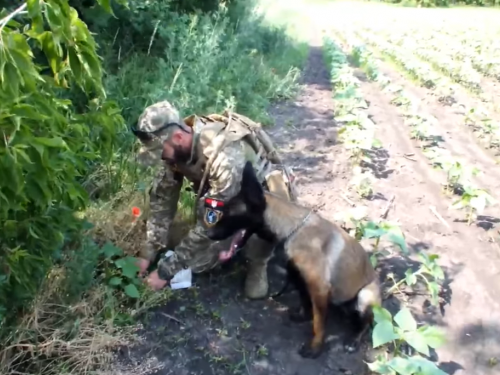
(239, 240)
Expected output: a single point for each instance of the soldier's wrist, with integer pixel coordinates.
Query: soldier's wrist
(163, 270)
(162, 274)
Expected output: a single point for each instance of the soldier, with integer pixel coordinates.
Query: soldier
(210, 151)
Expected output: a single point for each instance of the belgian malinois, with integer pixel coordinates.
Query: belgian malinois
(333, 267)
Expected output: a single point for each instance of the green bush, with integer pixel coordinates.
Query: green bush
(47, 144)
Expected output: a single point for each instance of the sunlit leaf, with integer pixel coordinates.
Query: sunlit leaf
(434, 336)
(383, 333)
(417, 341)
(405, 320)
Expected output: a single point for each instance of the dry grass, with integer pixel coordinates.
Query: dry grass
(58, 339)
(113, 221)
(55, 338)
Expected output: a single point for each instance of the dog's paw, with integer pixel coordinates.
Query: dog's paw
(309, 351)
(299, 316)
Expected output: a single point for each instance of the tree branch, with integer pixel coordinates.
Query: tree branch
(4, 21)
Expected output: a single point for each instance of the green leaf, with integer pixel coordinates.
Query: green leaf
(28, 111)
(56, 142)
(75, 64)
(403, 366)
(51, 50)
(106, 4)
(380, 314)
(426, 367)
(383, 333)
(405, 320)
(417, 341)
(131, 291)
(434, 337)
(399, 240)
(129, 267)
(109, 250)
(33, 7)
(374, 232)
(115, 281)
(34, 11)
(380, 367)
(410, 277)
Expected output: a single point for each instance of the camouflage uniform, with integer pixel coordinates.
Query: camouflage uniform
(196, 250)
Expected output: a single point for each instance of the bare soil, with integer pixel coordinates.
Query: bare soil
(212, 329)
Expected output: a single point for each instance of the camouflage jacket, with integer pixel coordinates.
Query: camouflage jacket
(223, 182)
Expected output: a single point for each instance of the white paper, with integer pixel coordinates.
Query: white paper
(182, 279)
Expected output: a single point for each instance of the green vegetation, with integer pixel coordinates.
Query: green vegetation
(74, 75)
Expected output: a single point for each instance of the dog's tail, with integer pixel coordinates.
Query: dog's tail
(368, 297)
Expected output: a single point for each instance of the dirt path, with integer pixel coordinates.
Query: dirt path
(213, 329)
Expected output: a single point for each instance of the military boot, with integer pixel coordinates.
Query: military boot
(256, 285)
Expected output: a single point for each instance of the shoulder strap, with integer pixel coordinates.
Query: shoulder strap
(253, 137)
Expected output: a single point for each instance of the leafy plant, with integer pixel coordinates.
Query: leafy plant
(363, 182)
(403, 329)
(474, 201)
(364, 228)
(48, 142)
(126, 278)
(428, 268)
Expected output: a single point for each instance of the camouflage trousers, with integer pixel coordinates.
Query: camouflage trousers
(201, 254)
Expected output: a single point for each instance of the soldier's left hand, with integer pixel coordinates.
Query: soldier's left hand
(154, 281)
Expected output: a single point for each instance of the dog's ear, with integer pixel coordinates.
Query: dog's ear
(251, 188)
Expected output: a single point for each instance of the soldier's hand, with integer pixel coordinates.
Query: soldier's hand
(143, 265)
(154, 281)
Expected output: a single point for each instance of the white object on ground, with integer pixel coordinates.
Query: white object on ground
(183, 278)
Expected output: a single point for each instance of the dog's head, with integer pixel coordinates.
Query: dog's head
(244, 213)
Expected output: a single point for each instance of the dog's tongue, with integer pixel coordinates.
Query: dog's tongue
(235, 244)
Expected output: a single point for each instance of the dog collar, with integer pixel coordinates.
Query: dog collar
(282, 242)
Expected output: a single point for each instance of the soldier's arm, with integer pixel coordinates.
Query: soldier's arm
(163, 197)
(224, 179)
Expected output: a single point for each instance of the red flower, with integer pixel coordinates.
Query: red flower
(136, 211)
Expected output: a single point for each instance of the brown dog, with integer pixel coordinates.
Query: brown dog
(332, 266)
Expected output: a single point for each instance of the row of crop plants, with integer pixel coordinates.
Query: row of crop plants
(357, 133)
(477, 118)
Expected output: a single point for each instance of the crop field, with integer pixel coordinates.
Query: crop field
(388, 115)
(416, 103)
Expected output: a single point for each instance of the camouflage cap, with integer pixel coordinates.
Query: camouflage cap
(156, 116)
(153, 119)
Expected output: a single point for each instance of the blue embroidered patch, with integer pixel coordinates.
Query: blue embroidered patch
(212, 216)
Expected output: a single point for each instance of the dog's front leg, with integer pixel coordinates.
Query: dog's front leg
(319, 298)
(303, 312)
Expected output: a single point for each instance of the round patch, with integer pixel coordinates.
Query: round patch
(212, 216)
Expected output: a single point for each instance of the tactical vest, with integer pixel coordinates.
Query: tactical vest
(238, 127)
